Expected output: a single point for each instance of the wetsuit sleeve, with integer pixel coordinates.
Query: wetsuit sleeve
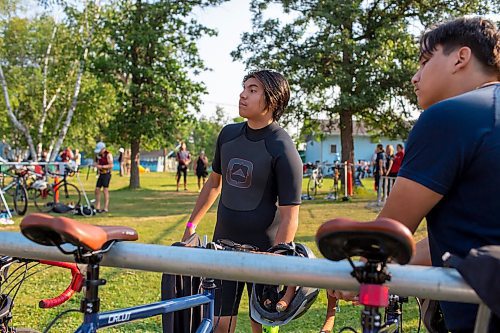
(288, 172)
(216, 163)
(439, 147)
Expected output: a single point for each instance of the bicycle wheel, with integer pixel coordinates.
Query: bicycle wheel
(20, 200)
(311, 187)
(44, 200)
(68, 195)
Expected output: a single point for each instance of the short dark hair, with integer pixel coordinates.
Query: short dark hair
(276, 90)
(479, 34)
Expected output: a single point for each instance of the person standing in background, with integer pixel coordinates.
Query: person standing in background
(126, 161)
(104, 166)
(183, 160)
(201, 165)
(121, 161)
(77, 158)
(398, 160)
(66, 155)
(378, 164)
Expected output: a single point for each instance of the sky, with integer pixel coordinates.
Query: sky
(224, 82)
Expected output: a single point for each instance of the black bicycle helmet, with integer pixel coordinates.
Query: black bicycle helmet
(266, 314)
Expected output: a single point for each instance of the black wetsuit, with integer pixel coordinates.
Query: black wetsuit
(260, 169)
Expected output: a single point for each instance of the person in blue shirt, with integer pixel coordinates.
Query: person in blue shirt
(446, 175)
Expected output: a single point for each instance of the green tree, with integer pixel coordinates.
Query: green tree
(205, 133)
(44, 64)
(347, 59)
(146, 50)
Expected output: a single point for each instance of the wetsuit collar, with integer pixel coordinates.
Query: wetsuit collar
(261, 133)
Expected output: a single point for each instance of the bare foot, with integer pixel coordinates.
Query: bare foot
(283, 303)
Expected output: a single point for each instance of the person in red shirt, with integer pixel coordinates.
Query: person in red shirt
(398, 159)
(66, 155)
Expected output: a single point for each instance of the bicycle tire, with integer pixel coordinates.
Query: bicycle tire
(69, 195)
(11, 190)
(20, 199)
(44, 200)
(312, 189)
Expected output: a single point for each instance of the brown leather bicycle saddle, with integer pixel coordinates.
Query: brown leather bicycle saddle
(379, 240)
(49, 230)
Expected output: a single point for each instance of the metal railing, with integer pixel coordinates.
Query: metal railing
(436, 283)
(426, 282)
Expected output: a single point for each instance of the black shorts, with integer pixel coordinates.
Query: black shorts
(228, 297)
(103, 180)
(181, 168)
(201, 173)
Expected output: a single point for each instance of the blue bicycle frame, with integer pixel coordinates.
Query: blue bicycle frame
(95, 321)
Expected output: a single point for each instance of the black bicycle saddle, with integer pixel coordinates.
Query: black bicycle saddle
(378, 240)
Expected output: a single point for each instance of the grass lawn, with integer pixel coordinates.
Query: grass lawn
(159, 214)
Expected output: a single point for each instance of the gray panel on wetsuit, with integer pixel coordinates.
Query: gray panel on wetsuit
(245, 174)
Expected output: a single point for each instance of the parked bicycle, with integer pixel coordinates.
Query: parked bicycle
(315, 179)
(61, 193)
(379, 242)
(89, 243)
(13, 273)
(13, 185)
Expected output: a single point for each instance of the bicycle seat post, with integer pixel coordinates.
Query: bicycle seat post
(373, 294)
(90, 304)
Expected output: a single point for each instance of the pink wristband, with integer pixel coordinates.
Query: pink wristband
(190, 225)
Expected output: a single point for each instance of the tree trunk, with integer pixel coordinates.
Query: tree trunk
(71, 111)
(134, 170)
(346, 139)
(13, 117)
(45, 109)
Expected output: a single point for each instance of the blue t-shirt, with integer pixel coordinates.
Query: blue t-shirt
(454, 150)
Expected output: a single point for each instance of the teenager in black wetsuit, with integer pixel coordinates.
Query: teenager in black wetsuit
(258, 173)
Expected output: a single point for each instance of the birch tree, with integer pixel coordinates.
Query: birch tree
(44, 66)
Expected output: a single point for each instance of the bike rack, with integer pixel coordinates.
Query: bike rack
(426, 282)
(444, 284)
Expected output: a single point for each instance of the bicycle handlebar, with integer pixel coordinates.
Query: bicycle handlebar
(67, 172)
(75, 285)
